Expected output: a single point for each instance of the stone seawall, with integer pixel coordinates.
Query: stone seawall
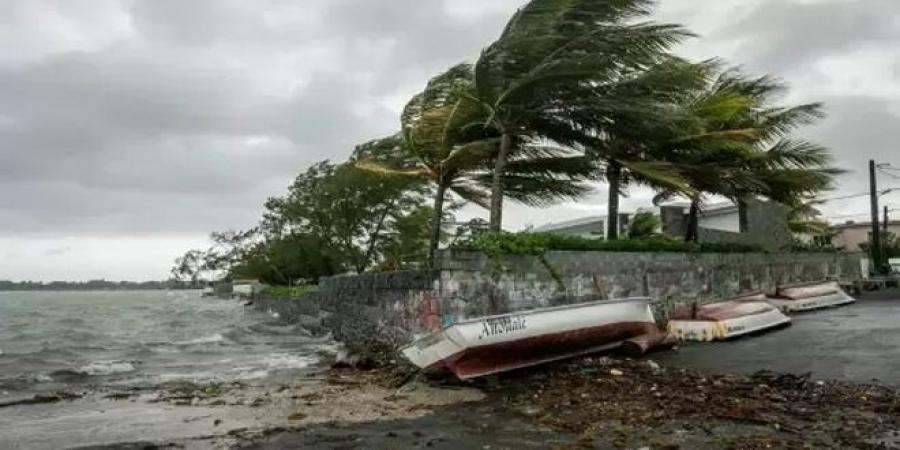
(380, 312)
(472, 285)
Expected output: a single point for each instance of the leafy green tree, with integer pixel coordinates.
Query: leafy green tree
(189, 267)
(288, 260)
(351, 211)
(552, 51)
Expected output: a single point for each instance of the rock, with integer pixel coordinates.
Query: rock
(616, 373)
(297, 416)
(653, 365)
(531, 411)
(217, 422)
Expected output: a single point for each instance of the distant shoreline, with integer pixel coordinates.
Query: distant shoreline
(98, 289)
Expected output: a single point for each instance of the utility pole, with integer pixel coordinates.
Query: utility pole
(876, 232)
(884, 229)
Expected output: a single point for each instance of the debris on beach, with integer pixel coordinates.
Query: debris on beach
(631, 404)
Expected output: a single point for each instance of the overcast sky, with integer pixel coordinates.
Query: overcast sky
(130, 129)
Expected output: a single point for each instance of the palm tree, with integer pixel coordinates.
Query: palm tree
(444, 132)
(447, 135)
(620, 140)
(732, 142)
(552, 49)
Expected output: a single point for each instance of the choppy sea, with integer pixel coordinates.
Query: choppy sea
(52, 341)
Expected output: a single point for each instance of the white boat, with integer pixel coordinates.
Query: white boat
(726, 320)
(487, 345)
(810, 296)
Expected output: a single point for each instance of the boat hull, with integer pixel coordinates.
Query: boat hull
(732, 321)
(495, 344)
(811, 297)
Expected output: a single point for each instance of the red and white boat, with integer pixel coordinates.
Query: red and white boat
(487, 345)
(810, 296)
(726, 320)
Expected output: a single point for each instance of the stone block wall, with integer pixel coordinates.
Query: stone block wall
(381, 312)
(473, 287)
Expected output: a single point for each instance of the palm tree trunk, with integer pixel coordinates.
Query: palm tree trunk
(437, 216)
(497, 182)
(693, 225)
(614, 177)
(373, 238)
(743, 220)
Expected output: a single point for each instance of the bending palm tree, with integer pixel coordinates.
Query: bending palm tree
(552, 49)
(451, 143)
(733, 143)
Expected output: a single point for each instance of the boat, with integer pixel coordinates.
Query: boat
(488, 345)
(810, 296)
(726, 320)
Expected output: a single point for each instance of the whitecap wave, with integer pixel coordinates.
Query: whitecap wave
(107, 368)
(43, 378)
(204, 340)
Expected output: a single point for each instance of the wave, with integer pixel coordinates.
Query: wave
(212, 339)
(107, 368)
(281, 361)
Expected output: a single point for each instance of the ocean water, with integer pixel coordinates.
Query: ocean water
(64, 340)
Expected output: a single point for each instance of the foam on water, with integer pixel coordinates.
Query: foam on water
(142, 339)
(107, 368)
(211, 339)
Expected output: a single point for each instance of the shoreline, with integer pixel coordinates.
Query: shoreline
(595, 402)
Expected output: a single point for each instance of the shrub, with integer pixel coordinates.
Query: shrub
(540, 243)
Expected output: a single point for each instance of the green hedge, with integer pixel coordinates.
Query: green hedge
(288, 292)
(539, 243)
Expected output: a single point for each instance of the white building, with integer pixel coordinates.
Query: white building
(717, 216)
(592, 227)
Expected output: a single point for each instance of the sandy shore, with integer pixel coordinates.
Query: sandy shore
(589, 403)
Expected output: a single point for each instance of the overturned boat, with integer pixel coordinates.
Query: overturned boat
(726, 320)
(810, 296)
(487, 345)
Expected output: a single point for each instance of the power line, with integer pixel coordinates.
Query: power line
(864, 194)
(889, 175)
(847, 216)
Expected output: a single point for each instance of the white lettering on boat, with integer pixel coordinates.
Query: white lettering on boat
(501, 325)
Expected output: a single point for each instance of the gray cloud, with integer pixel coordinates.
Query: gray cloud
(166, 119)
(787, 35)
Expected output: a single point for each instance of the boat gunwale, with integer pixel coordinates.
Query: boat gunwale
(755, 313)
(531, 312)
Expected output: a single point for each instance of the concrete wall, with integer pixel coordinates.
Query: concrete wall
(384, 311)
(767, 226)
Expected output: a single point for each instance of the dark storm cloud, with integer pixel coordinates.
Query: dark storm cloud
(190, 118)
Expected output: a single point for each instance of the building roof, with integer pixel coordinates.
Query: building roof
(713, 209)
(589, 220)
(851, 224)
(571, 223)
